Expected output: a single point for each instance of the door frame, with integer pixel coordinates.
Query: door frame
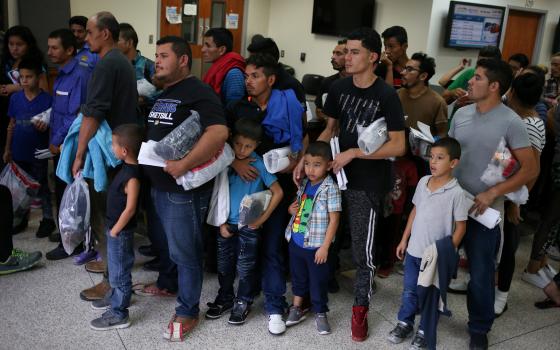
(540, 30)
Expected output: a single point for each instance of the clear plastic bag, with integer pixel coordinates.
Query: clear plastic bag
(181, 140)
(502, 165)
(74, 214)
(22, 187)
(252, 207)
(145, 88)
(372, 137)
(419, 147)
(200, 175)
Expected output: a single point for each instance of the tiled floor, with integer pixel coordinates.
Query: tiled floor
(40, 309)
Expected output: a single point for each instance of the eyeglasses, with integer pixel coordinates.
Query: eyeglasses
(410, 69)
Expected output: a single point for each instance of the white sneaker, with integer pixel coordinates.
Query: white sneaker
(549, 272)
(539, 279)
(276, 324)
(553, 252)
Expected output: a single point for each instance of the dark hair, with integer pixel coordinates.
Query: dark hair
(369, 37)
(129, 136)
(26, 35)
(319, 149)
(264, 61)
(497, 71)
(342, 42)
(31, 63)
(452, 146)
(490, 52)
(427, 64)
(249, 128)
(106, 20)
(128, 33)
(79, 20)
(264, 46)
(179, 45)
(528, 88)
(536, 70)
(221, 37)
(397, 32)
(67, 39)
(520, 58)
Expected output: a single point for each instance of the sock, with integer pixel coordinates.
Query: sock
(500, 301)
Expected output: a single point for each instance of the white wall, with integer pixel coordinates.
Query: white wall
(290, 26)
(256, 20)
(141, 14)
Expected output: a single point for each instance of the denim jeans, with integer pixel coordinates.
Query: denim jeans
(409, 300)
(120, 255)
(481, 245)
(237, 253)
(181, 215)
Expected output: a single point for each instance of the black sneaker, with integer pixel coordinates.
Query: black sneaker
(46, 227)
(216, 310)
(146, 250)
(239, 312)
(59, 253)
(55, 237)
(479, 341)
(400, 333)
(419, 342)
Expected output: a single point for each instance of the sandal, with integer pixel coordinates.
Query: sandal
(546, 304)
(177, 331)
(151, 290)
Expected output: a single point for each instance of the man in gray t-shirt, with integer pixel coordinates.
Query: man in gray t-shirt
(478, 128)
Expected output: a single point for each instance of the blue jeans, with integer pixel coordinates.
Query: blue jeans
(181, 216)
(167, 276)
(237, 253)
(481, 245)
(409, 300)
(309, 278)
(120, 255)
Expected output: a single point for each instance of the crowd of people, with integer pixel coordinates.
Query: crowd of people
(402, 207)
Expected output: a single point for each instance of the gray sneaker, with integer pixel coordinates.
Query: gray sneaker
(295, 316)
(322, 323)
(419, 342)
(400, 333)
(102, 304)
(19, 261)
(109, 321)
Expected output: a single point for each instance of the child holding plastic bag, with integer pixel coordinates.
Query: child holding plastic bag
(25, 136)
(237, 247)
(122, 201)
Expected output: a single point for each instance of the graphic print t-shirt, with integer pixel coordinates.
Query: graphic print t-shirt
(299, 227)
(172, 107)
(354, 107)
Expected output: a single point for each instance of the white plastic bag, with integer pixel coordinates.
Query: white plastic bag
(22, 187)
(145, 88)
(502, 165)
(218, 211)
(44, 117)
(200, 175)
(74, 214)
(277, 159)
(372, 137)
(253, 206)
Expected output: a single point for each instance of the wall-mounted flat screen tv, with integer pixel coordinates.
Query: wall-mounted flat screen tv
(472, 26)
(339, 17)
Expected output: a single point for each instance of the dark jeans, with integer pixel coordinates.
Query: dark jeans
(59, 186)
(549, 218)
(309, 278)
(409, 299)
(237, 254)
(386, 241)
(167, 277)
(120, 254)
(38, 170)
(481, 245)
(6, 223)
(181, 215)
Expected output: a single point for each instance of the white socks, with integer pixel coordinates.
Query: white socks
(500, 301)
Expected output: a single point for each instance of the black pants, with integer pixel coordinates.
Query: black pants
(6, 223)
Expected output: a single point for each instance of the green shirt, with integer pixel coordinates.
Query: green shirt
(462, 80)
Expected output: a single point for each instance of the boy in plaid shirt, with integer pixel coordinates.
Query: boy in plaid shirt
(315, 217)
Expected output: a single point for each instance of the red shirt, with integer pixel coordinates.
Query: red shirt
(406, 177)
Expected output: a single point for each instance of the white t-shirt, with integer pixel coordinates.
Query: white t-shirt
(536, 132)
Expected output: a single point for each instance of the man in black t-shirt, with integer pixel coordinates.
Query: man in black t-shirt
(337, 61)
(353, 102)
(179, 214)
(112, 97)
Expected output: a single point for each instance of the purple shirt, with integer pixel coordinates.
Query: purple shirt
(69, 92)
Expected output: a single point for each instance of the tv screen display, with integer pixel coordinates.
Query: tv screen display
(339, 17)
(473, 25)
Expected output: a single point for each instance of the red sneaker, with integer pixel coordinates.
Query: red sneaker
(359, 323)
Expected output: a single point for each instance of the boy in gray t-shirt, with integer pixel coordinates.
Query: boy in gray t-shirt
(440, 210)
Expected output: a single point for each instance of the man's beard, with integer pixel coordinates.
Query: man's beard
(335, 66)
